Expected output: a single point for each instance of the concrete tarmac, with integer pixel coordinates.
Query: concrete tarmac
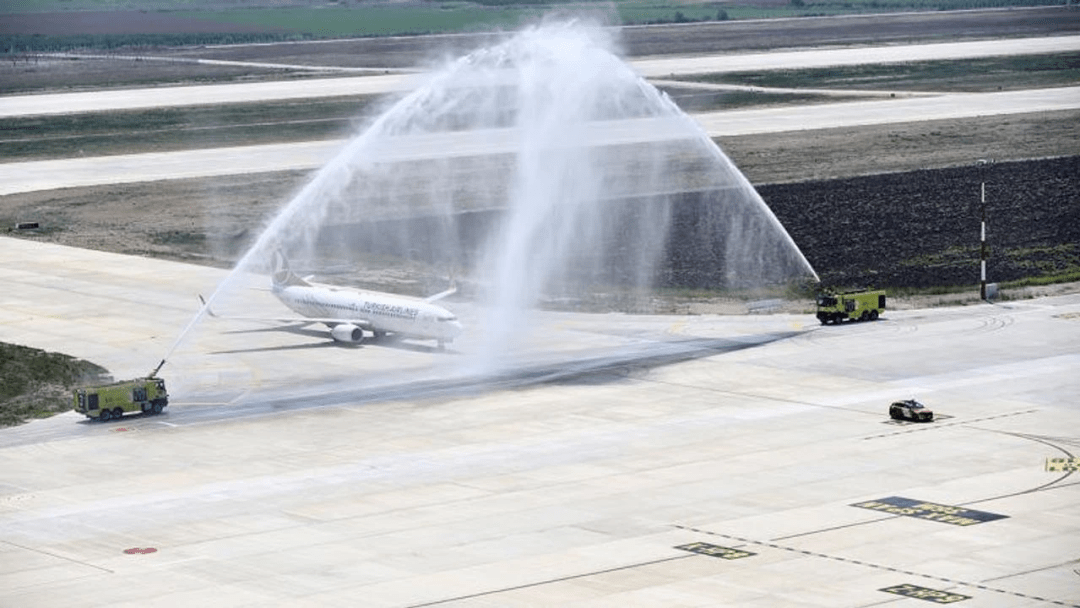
(615, 460)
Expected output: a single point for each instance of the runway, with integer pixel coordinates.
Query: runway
(620, 460)
(163, 97)
(80, 172)
(76, 172)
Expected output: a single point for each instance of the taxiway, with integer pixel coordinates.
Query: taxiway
(619, 460)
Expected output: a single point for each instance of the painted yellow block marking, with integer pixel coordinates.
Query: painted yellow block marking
(1062, 465)
(715, 550)
(923, 593)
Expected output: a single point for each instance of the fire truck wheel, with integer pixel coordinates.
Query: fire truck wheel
(117, 412)
(104, 415)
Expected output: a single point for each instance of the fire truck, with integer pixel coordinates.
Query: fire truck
(111, 401)
(854, 306)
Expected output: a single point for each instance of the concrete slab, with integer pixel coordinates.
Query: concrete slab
(289, 472)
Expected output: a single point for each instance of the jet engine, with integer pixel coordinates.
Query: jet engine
(348, 333)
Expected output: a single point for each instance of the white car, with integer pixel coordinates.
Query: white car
(910, 409)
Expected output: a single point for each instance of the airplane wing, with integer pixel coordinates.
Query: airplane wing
(364, 323)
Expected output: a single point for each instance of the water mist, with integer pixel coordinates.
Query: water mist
(538, 169)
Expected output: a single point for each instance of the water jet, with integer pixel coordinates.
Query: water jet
(541, 168)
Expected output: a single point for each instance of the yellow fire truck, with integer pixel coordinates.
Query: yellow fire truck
(104, 403)
(855, 306)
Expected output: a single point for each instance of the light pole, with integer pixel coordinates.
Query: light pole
(983, 163)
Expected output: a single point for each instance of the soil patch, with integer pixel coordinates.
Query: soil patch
(916, 229)
(921, 229)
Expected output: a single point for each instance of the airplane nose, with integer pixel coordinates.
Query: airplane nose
(456, 328)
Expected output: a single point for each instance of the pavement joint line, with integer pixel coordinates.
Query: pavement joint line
(549, 581)
(1046, 486)
(950, 424)
(1049, 441)
(756, 396)
(834, 528)
(65, 558)
(1050, 567)
(878, 566)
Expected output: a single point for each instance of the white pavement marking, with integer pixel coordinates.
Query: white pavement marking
(130, 99)
(76, 172)
(210, 94)
(712, 86)
(879, 112)
(154, 166)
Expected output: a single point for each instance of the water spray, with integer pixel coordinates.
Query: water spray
(580, 166)
(199, 314)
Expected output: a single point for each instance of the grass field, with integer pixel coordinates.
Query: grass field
(197, 127)
(103, 133)
(37, 384)
(44, 25)
(969, 75)
(187, 128)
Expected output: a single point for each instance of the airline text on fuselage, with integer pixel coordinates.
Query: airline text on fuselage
(358, 308)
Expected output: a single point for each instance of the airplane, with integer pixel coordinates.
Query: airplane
(349, 312)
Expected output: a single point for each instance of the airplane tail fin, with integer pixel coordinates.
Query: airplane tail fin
(209, 311)
(449, 292)
(282, 275)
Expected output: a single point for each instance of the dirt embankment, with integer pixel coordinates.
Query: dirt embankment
(915, 229)
(36, 384)
(921, 229)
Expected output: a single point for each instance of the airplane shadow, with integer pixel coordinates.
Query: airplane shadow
(265, 349)
(304, 330)
(619, 367)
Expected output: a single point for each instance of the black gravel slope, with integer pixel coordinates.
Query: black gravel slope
(921, 228)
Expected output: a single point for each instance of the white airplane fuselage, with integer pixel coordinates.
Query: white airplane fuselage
(376, 312)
